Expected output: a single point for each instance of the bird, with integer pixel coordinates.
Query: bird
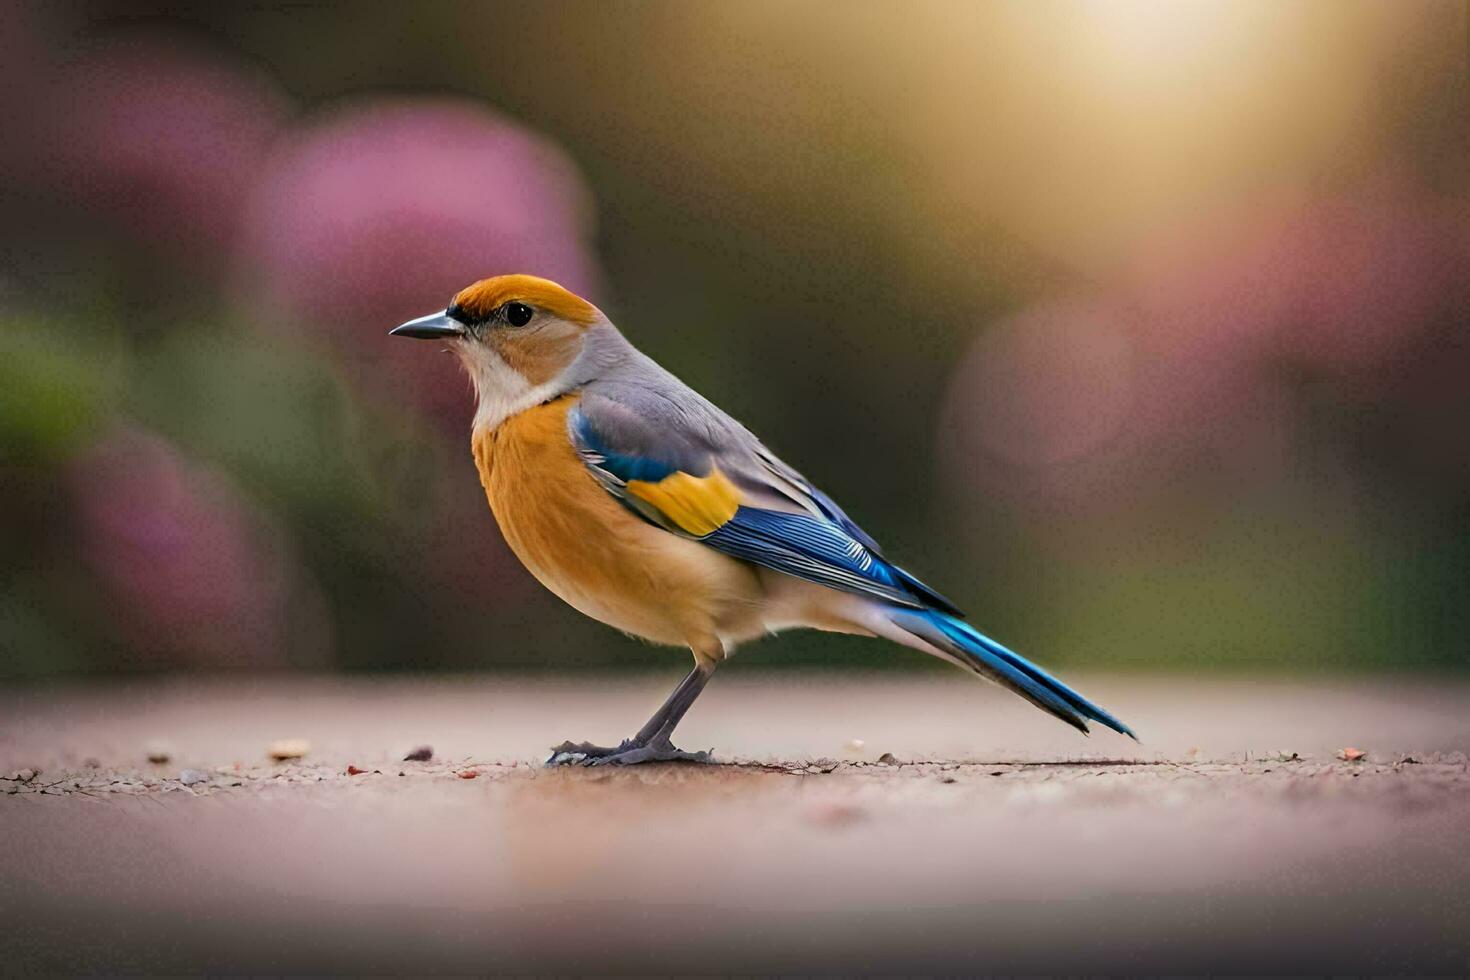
(644, 506)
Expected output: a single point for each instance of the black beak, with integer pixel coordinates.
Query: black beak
(435, 326)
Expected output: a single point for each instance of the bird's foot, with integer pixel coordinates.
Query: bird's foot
(571, 753)
(629, 753)
(635, 754)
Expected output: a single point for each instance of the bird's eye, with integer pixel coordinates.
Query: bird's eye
(518, 314)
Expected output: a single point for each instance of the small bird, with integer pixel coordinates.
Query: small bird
(644, 506)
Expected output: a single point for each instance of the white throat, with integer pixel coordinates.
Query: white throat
(501, 390)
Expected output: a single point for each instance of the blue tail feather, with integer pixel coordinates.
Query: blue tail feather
(983, 655)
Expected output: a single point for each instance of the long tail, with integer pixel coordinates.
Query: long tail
(957, 641)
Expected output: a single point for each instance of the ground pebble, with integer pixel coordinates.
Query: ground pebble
(193, 777)
(288, 748)
(158, 752)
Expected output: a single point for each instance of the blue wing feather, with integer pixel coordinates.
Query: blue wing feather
(819, 551)
(808, 548)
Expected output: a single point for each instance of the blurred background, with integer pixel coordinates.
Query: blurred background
(1139, 329)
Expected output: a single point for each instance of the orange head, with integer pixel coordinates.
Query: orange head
(516, 335)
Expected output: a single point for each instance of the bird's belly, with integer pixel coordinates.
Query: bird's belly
(583, 545)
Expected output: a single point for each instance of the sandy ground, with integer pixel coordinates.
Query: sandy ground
(989, 837)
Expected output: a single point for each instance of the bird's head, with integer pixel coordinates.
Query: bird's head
(517, 336)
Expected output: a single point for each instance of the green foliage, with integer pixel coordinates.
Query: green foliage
(56, 383)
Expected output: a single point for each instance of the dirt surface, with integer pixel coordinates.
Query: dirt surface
(894, 824)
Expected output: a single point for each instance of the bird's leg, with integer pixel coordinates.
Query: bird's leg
(661, 725)
(651, 744)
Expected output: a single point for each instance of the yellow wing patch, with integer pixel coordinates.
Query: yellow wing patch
(697, 505)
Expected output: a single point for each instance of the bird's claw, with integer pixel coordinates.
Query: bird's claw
(628, 753)
(648, 753)
(571, 753)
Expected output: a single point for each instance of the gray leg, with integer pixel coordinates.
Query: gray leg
(651, 744)
(662, 724)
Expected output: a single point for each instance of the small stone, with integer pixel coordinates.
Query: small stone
(25, 775)
(421, 754)
(158, 753)
(887, 759)
(1352, 755)
(468, 774)
(288, 748)
(354, 771)
(193, 777)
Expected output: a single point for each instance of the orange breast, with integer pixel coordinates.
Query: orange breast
(586, 547)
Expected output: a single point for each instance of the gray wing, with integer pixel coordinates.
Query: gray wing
(673, 427)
